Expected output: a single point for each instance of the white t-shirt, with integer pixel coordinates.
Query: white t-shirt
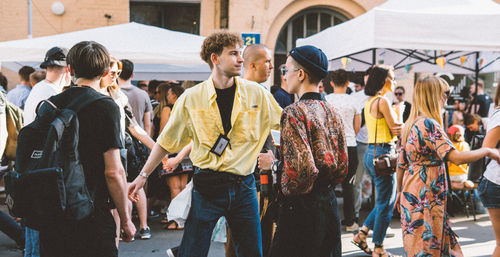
(41, 91)
(492, 172)
(347, 107)
(361, 99)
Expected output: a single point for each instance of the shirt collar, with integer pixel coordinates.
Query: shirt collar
(311, 96)
(212, 95)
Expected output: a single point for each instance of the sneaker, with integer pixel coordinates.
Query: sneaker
(145, 233)
(172, 252)
(353, 228)
(154, 214)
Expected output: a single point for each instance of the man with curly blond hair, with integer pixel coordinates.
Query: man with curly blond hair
(227, 119)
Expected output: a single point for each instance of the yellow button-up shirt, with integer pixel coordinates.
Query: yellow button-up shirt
(195, 116)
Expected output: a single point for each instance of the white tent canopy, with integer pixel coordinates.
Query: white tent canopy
(158, 53)
(413, 34)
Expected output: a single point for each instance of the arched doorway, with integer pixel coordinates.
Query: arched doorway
(303, 24)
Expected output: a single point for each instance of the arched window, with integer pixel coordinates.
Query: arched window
(303, 24)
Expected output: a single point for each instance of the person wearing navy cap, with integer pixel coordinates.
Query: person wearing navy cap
(313, 160)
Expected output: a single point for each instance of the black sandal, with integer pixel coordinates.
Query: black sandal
(362, 244)
(384, 253)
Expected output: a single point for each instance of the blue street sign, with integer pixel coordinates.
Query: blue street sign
(251, 38)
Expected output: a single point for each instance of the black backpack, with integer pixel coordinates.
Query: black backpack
(48, 183)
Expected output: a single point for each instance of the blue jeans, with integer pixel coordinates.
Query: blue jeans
(489, 193)
(12, 229)
(32, 246)
(239, 206)
(379, 218)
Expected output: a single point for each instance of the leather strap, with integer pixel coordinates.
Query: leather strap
(376, 125)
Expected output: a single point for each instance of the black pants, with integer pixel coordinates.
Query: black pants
(347, 186)
(93, 236)
(308, 225)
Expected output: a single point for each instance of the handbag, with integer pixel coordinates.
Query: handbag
(385, 164)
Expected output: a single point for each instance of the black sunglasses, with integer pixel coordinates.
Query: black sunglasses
(398, 93)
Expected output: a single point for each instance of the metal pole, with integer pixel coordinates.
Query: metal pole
(374, 57)
(29, 19)
(476, 79)
(476, 76)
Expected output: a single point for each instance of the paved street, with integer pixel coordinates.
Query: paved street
(476, 239)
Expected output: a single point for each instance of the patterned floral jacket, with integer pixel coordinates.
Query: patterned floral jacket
(312, 142)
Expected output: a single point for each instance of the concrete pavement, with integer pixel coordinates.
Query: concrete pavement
(476, 239)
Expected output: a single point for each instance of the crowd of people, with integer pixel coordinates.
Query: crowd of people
(142, 143)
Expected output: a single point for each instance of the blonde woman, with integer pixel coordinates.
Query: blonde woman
(174, 176)
(110, 87)
(421, 173)
(489, 188)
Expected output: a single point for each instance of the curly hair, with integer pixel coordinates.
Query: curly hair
(215, 43)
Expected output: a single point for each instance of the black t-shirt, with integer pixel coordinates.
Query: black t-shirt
(225, 101)
(483, 102)
(99, 131)
(283, 98)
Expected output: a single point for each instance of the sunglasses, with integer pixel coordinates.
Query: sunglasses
(398, 93)
(115, 73)
(284, 70)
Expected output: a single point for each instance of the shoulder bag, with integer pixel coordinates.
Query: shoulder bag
(385, 164)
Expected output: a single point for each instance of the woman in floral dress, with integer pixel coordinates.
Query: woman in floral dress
(422, 182)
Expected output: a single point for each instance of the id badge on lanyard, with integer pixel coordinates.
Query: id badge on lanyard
(220, 145)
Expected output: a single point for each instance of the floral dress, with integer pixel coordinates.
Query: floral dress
(424, 221)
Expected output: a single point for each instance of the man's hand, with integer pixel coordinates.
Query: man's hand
(128, 229)
(134, 187)
(265, 160)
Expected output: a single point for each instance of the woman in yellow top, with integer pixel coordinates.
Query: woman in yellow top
(383, 127)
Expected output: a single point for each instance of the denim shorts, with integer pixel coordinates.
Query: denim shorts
(489, 193)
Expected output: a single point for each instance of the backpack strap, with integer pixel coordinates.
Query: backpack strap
(81, 101)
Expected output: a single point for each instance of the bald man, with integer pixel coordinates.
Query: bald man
(257, 63)
(258, 68)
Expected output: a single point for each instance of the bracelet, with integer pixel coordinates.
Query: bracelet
(143, 174)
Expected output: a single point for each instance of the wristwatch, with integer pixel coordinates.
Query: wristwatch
(143, 174)
(274, 165)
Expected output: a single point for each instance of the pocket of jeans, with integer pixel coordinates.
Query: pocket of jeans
(249, 183)
(482, 186)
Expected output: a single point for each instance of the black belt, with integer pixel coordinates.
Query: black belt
(382, 144)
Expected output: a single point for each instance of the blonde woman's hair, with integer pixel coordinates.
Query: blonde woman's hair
(163, 91)
(427, 96)
(114, 85)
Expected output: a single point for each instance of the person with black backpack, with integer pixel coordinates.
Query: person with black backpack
(98, 143)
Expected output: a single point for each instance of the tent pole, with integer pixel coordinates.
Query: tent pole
(29, 19)
(476, 79)
(374, 57)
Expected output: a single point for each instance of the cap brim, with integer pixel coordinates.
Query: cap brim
(44, 65)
